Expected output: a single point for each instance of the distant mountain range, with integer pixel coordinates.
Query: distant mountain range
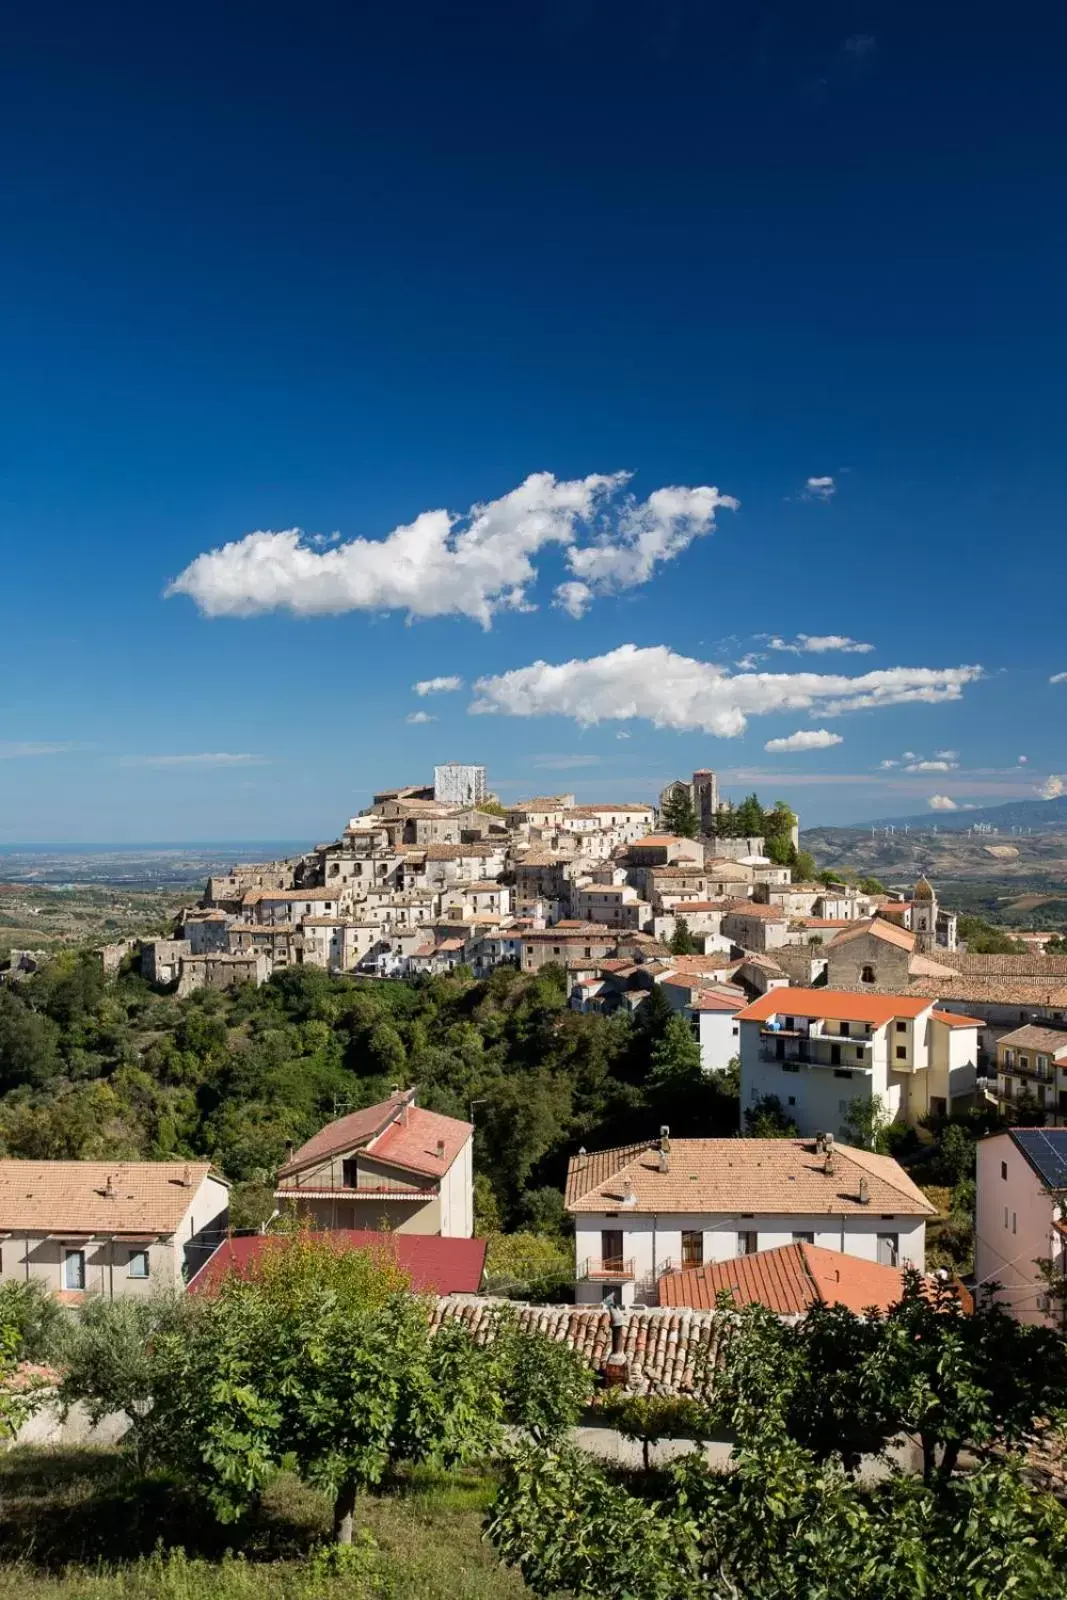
(1039, 816)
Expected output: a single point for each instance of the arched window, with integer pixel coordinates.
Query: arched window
(867, 975)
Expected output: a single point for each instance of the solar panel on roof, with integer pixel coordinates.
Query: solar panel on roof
(1046, 1150)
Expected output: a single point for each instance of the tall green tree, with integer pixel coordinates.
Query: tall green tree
(682, 941)
(679, 815)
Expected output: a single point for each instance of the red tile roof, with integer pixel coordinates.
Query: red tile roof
(954, 1019)
(440, 1266)
(788, 1280)
(382, 1132)
(837, 1005)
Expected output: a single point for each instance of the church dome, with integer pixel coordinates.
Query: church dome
(922, 890)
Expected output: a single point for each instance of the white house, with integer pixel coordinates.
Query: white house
(820, 1050)
(712, 1012)
(108, 1227)
(392, 1166)
(1021, 1218)
(645, 1209)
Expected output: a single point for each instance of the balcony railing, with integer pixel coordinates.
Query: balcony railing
(809, 1058)
(612, 1271)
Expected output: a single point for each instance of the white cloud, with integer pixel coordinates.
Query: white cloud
(645, 534)
(819, 488)
(201, 758)
(1058, 677)
(418, 717)
(20, 750)
(1023, 760)
(750, 662)
(622, 736)
(942, 802)
(946, 755)
(931, 766)
(473, 565)
(437, 685)
(819, 644)
(909, 755)
(675, 691)
(884, 766)
(1053, 787)
(806, 739)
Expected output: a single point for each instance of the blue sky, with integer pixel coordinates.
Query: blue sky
(338, 268)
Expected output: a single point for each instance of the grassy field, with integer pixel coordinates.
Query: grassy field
(75, 1525)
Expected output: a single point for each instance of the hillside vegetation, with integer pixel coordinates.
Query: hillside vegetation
(96, 1069)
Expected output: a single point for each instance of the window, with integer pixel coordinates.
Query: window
(902, 1027)
(1009, 1058)
(867, 975)
(842, 1108)
(842, 1072)
(1005, 1216)
(74, 1269)
(138, 1264)
(747, 1243)
(902, 1052)
(888, 1249)
(792, 1099)
(1004, 1170)
(844, 1030)
(692, 1248)
(803, 1238)
(1014, 1220)
(350, 1172)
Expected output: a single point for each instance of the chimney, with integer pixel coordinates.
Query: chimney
(865, 1192)
(629, 1194)
(820, 1143)
(109, 1188)
(664, 1159)
(440, 1149)
(289, 1151)
(829, 1165)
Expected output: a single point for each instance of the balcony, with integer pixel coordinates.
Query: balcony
(824, 1050)
(597, 1271)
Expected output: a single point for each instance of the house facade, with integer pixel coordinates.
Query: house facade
(819, 1051)
(108, 1228)
(392, 1166)
(644, 1210)
(1032, 1065)
(1021, 1189)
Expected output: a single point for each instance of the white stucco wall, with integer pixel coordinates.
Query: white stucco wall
(457, 1196)
(719, 1039)
(653, 1241)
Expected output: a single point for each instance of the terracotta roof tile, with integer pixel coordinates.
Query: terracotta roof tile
(49, 1196)
(876, 928)
(788, 1280)
(768, 1176)
(839, 1005)
(668, 1351)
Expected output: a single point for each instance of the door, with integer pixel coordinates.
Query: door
(611, 1249)
(888, 1249)
(835, 1055)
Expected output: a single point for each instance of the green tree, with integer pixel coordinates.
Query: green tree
(872, 886)
(981, 938)
(108, 1360)
(321, 1359)
(679, 815)
(675, 1060)
(682, 942)
(867, 1123)
(803, 865)
(29, 1043)
(768, 1119)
